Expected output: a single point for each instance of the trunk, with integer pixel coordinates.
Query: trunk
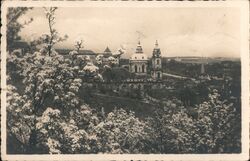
(33, 142)
(51, 35)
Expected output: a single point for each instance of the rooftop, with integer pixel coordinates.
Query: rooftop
(81, 52)
(107, 50)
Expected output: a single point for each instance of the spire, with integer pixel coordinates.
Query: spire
(107, 50)
(156, 51)
(156, 44)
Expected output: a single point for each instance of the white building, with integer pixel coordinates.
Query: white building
(138, 62)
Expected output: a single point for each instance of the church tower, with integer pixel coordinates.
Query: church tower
(156, 71)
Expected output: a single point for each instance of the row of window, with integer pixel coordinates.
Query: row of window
(142, 57)
(143, 69)
(157, 61)
(137, 69)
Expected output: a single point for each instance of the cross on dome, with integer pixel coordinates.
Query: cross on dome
(156, 44)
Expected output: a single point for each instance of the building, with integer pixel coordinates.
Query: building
(82, 53)
(109, 58)
(156, 68)
(138, 62)
(106, 54)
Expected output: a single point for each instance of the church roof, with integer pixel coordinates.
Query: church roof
(107, 50)
(156, 51)
(139, 48)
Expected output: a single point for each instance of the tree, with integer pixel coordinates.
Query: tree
(218, 126)
(50, 82)
(214, 130)
(187, 95)
(99, 59)
(14, 26)
(112, 61)
(53, 37)
(70, 135)
(116, 74)
(19, 122)
(121, 132)
(172, 129)
(78, 44)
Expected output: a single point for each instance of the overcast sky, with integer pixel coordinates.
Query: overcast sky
(179, 31)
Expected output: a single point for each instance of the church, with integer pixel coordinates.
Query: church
(141, 65)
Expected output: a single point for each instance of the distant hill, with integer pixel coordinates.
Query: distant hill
(199, 60)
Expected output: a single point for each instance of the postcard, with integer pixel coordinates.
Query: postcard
(125, 80)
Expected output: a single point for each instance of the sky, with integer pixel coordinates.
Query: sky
(208, 32)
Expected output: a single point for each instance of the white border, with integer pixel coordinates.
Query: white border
(243, 5)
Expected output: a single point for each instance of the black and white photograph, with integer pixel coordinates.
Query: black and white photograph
(125, 78)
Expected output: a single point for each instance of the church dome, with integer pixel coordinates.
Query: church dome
(137, 56)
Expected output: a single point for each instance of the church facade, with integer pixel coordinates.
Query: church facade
(140, 64)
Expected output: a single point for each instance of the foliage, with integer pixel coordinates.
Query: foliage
(115, 74)
(19, 116)
(214, 129)
(14, 26)
(172, 129)
(49, 82)
(67, 135)
(218, 125)
(121, 132)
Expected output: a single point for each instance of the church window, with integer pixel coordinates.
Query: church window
(143, 57)
(135, 68)
(135, 57)
(158, 75)
(143, 68)
(157, 61)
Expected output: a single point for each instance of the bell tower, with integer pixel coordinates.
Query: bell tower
(156, 71)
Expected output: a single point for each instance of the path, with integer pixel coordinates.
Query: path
(177, 76)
